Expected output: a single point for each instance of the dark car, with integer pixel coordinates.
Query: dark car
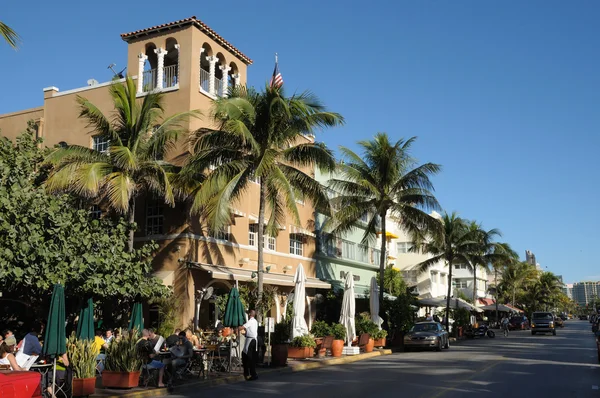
(518, 323)
(427, 335)
(542, 322)
(583, 317)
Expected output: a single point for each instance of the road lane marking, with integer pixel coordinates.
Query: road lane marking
(464, 380)
(594, 387)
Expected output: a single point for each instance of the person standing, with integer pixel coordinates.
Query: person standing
(250, 353)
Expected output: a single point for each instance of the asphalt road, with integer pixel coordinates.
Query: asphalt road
(520, 365)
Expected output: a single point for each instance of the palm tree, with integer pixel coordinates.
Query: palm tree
(483, 251)
(502, 255)
(516, 276)
(260, 135)
(384, 180)
(9, 35)
(139, 139)
(454, 243)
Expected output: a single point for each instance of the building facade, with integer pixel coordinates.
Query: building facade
(192, 65)
(585, 292)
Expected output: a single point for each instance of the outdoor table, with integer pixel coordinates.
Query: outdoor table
(203, 354)
(43, 369)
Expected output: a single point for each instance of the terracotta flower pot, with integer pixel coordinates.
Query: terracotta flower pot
(279, 354)
(380, 343)
(84, 387)
(300, 352)
(337, 347)
(120, 379)
(370, 345)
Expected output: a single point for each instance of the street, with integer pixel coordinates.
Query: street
(520, 365)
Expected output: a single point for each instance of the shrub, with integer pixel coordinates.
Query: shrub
(338, 331)
(364, 324)
(379, 334)
(320, 329)
(122, 355)
(281, 335)
(303, 341)
(82, 357)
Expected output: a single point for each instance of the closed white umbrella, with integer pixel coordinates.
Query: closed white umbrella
(348, 309)
(299, 327)
(374, 303)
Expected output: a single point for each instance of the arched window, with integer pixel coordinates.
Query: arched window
(171, 64)
(149, 78)
(206, 52)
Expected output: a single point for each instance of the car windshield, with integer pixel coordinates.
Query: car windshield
(517, 319)
(543, 315)
(425, 327)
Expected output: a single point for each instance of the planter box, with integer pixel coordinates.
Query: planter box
(120, 379)
(300, 352)
(279, 354)
(380, 343)
(370, 345)
(337, 347)
(84, 387)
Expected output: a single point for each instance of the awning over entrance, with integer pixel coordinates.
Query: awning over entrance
(243, 275)
(301, 231)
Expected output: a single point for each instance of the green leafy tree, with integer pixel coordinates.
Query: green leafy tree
(259, 135)
(504, 255)
(45, 239)
(9, 35)
(515, 278)
(384, 180)
(140, 137)
(393, 282)
(453, 243)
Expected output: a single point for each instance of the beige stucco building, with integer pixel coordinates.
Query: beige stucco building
(192, 65)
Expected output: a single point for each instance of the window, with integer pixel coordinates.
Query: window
(434, 277)
(296, 244)
(460, 266)
(154, 218)
(221, 234)
(253, 238)
(254, 178)
(363, 253)
(365, 218)
(461, 283)
(403, 247)
(252, 234)
(375, 256)
(95, 212)
(100, 144)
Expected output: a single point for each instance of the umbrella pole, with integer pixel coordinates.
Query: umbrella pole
(54, 379)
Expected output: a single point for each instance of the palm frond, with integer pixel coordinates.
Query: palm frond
(9, 35)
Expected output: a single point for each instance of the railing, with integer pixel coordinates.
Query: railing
(348, 249)
(204, 80)
(170, 78)
(376, 256)
(218, 87)
(363, 253)
(149, 80)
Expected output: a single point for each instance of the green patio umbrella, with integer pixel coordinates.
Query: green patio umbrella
(85, 325)
(234, 312)
(55, 339)
(137, 318)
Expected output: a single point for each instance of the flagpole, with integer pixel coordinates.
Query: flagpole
(276, 61)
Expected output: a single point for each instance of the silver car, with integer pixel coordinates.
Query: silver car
(427, 335)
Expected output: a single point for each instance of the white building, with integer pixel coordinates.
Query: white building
(463, 280)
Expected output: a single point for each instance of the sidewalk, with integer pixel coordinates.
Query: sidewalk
(292, 366)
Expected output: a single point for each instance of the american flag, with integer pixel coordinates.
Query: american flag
(276, 79)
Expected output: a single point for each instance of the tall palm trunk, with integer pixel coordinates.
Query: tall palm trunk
(131, 219)
(260, 262)
(514, 295)
(496, 291)
(475, 284)
(450, 261)
(382, 258)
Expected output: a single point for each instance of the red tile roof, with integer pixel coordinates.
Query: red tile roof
(486, 301)
(189, 21)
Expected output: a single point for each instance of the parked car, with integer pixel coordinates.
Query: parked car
(427, 335)
(542, 322)
(518, 323)
(20, 384)
(583, 317)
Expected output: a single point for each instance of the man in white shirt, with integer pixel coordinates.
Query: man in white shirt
(250, 351)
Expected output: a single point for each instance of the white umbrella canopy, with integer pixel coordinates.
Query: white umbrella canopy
(299, 327)
(374, 303)
(348, 309)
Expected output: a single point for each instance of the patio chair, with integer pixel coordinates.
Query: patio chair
(148, 376)
(327, 344)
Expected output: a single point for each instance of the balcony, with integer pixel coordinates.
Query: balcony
(205, 84)
(363, 254)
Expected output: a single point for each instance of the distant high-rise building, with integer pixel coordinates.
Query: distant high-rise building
(530, 258)
(568, 290)
(585, 292)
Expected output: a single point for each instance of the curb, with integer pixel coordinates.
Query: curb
(294, 367)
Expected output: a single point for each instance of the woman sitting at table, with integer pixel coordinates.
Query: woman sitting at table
(7, 357)
(192, 338)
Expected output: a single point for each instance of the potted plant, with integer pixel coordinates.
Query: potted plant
(82, 358)
(364, 325)
(379, 337)
(302, 347)
(123, 362)
(339, 334)
(279, 344)
(319, 330)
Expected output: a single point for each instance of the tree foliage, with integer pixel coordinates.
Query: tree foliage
(45, 239)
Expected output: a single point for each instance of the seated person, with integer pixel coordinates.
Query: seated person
(173, 339)
(183, 352)
(109, 337)
(11, 342)
(7, 357)
(99, 345)
(192, 338)
(31, 345)
(146, 351)
(62, 365)
(153, 336)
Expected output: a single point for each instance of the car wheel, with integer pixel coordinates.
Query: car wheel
(532, 333)
(554, 333)
(439, 346)
(447, 344)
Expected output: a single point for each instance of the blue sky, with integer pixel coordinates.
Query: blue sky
(505, 95)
